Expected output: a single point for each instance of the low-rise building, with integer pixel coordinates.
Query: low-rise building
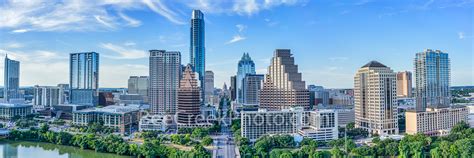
(8, 111)
(152, 123)
(65, 111)
(435, 121)
(320, 125)
(123, 118)
(255, 124)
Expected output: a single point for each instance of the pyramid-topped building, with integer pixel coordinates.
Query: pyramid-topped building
(283, 87)
(188, 98)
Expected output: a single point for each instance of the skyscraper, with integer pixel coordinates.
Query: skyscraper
(164, 73)
(188, 98)
(432, 75)
(404, 82)
(138, 85)
(283, 87)
(251, 85)
(84, 78)
(375, 93)
(233, 87)
(11, 79)
(245, 66)
(197, 48)
(209, 86)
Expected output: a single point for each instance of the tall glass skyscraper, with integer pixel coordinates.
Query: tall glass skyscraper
(432, 75)
(165, 72)
(245, 66)
(84, 78)
(11, 79)
(197, 48)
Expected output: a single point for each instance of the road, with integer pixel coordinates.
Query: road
(224, 141)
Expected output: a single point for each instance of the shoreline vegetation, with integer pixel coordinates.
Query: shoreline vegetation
(107, 144)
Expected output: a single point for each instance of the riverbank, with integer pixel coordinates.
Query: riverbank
(106, 143)
(27, 149)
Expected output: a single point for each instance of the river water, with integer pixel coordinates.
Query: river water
(23, 149)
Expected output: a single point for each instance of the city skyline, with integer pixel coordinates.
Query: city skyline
(339, 50)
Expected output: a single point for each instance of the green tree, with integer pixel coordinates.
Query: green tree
(44, 128)
(417, 149)
(350, 125)
(465, 147)
(392, 149)
(435, 153)
(134, 150)
(444, 147)
(459, 127)
(206, 141)
(336, 152)
(453, 151)
(309, 141)
(286, 155)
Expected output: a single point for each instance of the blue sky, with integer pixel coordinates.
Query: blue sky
(330, 39)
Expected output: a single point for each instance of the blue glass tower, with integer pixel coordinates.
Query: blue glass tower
(84, 78)
(197, 48)
(11, 79)
(432, 76)
(245, 66)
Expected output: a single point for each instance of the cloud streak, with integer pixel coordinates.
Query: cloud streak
(120, 52)
(236, 38)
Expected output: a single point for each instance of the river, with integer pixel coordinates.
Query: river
(22, 149)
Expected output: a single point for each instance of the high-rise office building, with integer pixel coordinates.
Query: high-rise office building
(283, 86)
(164, 72)
(209, 86)
(432, 75)
(244, 67)
(188, 98)
(233, 87)
(84, 78)
(138, 85)
(197, 48)
(11, 79)
(251, 85)
(404, 82)
(375, 93)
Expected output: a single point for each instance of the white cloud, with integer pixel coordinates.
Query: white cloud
(39, 67)
(20, 31)
(114, 76)
(14, 45)
(120, 52)
(100, 15)
(129, 43)
(236, 38)
(161, 9)
(248, 7)
(241, 27)
(461, 35)
(241, 7)
(105, 21)
(44, 67)
(131, 22)
(83, 15)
